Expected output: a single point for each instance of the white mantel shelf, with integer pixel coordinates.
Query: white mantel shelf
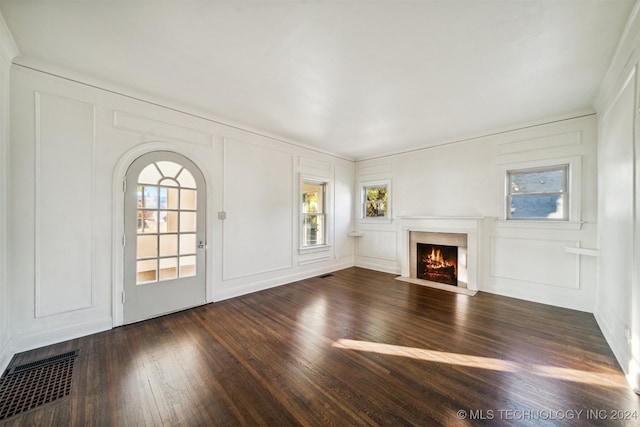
(443, 217)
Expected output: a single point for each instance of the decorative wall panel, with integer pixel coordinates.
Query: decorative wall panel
(64, 199)
(378, 244)
(536, 261)
(152, 127)
(258, 229)
(543, 143)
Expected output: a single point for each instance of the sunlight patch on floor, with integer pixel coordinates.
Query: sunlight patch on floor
(490, 363)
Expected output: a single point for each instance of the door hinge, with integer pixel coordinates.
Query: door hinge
(123, 297)
(124, 240)
(124, 185)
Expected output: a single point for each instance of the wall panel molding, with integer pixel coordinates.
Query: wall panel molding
(258, 191)
(543, 143)
(160, 129)
(539, 261)
(307, 164)
(370, 172)
(378, 244)
(64, 200)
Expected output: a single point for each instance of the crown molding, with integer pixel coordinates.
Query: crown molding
(8, 47)
(30, 64)
(624, 58)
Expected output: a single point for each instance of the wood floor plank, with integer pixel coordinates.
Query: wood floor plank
(355, 348)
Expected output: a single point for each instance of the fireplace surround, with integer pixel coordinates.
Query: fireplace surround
(466, 233)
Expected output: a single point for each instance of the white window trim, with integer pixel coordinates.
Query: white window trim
(376, 183)
(574, 192)
(328, 207)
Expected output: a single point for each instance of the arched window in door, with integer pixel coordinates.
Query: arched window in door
(166, 223)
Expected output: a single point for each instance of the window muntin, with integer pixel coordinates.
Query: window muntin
(166, 223)
(538, 193)
(375, 203)
(313, 214)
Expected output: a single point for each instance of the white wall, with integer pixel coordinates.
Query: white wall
(70, 147)
(618, 301)
(522, 260)
(8, 51)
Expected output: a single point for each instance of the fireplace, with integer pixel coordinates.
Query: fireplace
(437, 263)
(467, 234)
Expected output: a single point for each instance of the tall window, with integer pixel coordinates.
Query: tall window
(313, 214)
(375, 203)
(538, 193)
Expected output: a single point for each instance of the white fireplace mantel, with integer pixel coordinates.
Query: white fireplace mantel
(473, 227)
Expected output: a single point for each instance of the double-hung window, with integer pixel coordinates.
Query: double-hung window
(313, 211)
(375, 200)
(538, 193)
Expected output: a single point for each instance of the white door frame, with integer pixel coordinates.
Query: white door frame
(119, 176)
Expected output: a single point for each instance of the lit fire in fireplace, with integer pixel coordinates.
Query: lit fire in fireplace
(438, 263)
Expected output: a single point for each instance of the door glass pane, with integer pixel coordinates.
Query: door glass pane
(187, 266)
(168, 198)
(187, 222)
(168, 268)
(187, 244)
(186, 179)
(168, 244)
(147, 221)
(147, 196)
(146, 271)
(169, 169)
(147, 246)
(149, 175)
(188, 199)
(168, 222)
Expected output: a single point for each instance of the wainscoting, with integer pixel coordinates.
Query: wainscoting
(352, 348)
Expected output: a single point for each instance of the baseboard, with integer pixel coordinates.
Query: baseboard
(634, 375)
(6, 353)
(43, 338)
(378, 267)
(539, 297)
(262, 285)
(629, 366)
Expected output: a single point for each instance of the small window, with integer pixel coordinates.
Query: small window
(313, 214)
(375, 201)
(538, 193)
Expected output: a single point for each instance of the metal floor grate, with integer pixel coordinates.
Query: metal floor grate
(28, 386)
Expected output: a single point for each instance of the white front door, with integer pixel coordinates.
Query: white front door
(165, 236)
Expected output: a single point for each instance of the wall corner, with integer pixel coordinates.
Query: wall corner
(8, 47)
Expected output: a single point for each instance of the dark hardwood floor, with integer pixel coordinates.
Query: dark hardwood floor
(356, 348)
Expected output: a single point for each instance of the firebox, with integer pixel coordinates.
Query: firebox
(437, 263)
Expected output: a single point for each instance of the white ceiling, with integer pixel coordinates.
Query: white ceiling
(354, 78)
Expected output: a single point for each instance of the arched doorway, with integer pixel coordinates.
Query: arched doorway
(165, 236)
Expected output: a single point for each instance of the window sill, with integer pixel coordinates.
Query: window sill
(554, 225)
(313, 249)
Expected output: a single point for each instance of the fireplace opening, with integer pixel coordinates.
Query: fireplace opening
(437, 263)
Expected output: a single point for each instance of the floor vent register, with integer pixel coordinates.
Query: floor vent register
(28, 386)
